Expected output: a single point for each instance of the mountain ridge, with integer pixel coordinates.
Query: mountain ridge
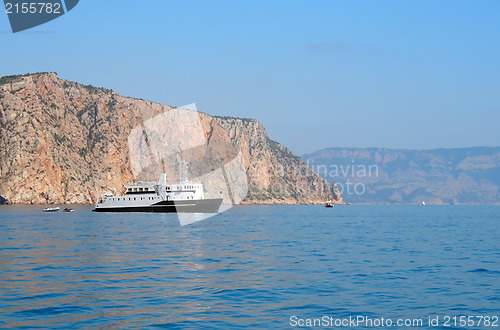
(468, 175)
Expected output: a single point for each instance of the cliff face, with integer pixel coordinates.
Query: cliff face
(63, 142)
(389, 176)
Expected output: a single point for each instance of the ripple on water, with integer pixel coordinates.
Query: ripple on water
(249, 267)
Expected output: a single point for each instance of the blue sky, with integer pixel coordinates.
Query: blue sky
(397, 74)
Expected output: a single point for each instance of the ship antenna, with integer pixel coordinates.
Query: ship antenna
(180, 168)
(183, 170)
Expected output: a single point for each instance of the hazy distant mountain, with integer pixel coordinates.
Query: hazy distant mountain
(440, 176)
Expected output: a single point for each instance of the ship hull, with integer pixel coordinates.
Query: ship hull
(185, 206)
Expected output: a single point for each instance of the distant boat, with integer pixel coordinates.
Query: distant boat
(68, 210)
(329, 204)
(51, 209)
(423, 203)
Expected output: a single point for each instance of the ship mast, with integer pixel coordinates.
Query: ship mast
(182, 170)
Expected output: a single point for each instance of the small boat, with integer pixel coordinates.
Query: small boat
(51, 209)
(423, 203)
(329, 204)
(68, 210)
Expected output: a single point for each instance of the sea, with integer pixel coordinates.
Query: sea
(262, 267)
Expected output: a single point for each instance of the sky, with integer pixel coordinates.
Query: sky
(397, 74)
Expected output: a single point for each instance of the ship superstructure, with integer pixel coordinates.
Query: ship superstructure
(158, 196)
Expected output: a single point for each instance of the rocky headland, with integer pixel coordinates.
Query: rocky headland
(63, 142)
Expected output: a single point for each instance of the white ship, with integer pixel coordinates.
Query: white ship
(158, 196)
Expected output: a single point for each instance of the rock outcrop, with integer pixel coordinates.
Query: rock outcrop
(63, 142)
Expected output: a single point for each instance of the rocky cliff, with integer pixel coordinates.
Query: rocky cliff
(391, 176)
(63, 142)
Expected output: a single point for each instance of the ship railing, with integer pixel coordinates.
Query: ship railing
(103, 197)
(184, 183)
(142, 183)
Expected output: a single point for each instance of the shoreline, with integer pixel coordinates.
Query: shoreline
(269, 204)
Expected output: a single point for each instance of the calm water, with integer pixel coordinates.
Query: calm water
(254, 266)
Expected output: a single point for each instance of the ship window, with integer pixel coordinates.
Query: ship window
(129, 198)
(146, 189)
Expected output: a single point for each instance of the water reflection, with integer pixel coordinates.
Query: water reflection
(249, 266)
